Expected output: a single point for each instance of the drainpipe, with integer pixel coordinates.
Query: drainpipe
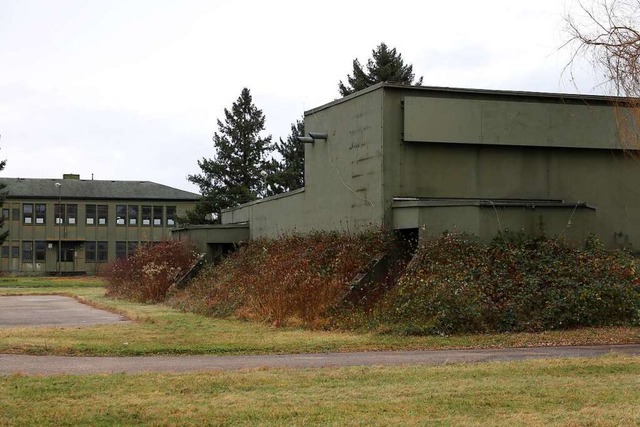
(59, 226)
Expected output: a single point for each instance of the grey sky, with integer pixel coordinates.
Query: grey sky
(132, 89)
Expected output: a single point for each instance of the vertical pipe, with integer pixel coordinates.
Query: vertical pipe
(59, 225)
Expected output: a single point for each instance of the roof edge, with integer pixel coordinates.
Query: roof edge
(560, 96)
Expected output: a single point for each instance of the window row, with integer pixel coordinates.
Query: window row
(67, 214)
(145, 215)
(31, 251)
(123, 249)
(98, 251)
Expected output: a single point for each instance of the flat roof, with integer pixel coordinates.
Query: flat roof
(436, 90)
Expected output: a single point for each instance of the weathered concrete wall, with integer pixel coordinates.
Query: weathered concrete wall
(509, 156)
(516, 121)
(392, 141)
(486, 222)
(343, 175)
(274, 216)
(210, 239)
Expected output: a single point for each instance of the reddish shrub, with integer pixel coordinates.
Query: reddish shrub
(291, 280)
(147, 275)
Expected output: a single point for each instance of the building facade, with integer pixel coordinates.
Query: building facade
(74, 226)
(423, 160)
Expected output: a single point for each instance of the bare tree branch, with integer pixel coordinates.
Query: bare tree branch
(607, 34)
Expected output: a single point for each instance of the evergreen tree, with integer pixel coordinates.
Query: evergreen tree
(386, 65)
(288, 174)
(237, 173)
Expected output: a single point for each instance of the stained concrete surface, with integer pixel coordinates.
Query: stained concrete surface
(50, 310)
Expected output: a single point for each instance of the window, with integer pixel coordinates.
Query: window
(103, 214)
(131, 248)
(171, 216)
(5, 213)
(91, 214)
(102, 252)
(41, 251)
(27, 213)
(72, 214)
(146, 215)
(133, 215)
(15, 250)
(15, 214)
(4, 252)
(41, 214)
(90, 251)
(96, 251)
(121, 214)
(59, 214)
(27, 251)
(121, 250)
(157, 216)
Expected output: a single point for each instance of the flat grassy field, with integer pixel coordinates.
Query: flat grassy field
(597, 392)
(157, 329)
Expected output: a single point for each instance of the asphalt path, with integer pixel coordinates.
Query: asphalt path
(51, 310)
(52, 365)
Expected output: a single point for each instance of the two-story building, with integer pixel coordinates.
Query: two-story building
(73, 225)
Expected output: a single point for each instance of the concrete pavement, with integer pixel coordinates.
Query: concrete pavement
(50, 310)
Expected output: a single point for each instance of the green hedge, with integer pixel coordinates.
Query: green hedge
(457, 285)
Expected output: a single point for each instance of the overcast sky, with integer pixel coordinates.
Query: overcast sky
(131, 90)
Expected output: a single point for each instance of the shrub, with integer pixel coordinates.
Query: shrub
(456, 284)
(147, 275)
(290, 280)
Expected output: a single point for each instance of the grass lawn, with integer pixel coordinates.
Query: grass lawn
(16, 285)
(602, 391)
(157, 329)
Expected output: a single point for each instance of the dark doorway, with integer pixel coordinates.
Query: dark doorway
(67, 251)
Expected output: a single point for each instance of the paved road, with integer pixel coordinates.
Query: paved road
(63, 311)
(50, 365)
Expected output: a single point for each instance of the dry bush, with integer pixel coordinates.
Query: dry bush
(147, 275)
(291, 280)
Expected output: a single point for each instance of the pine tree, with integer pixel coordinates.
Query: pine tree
(386, 65)
(288, 174)
(237, 173)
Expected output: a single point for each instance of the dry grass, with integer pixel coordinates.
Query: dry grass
(599, 392)
(158, 329)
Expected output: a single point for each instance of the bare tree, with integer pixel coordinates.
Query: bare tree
(607, 33)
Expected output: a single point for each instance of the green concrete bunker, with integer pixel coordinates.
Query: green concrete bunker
(424, 160)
